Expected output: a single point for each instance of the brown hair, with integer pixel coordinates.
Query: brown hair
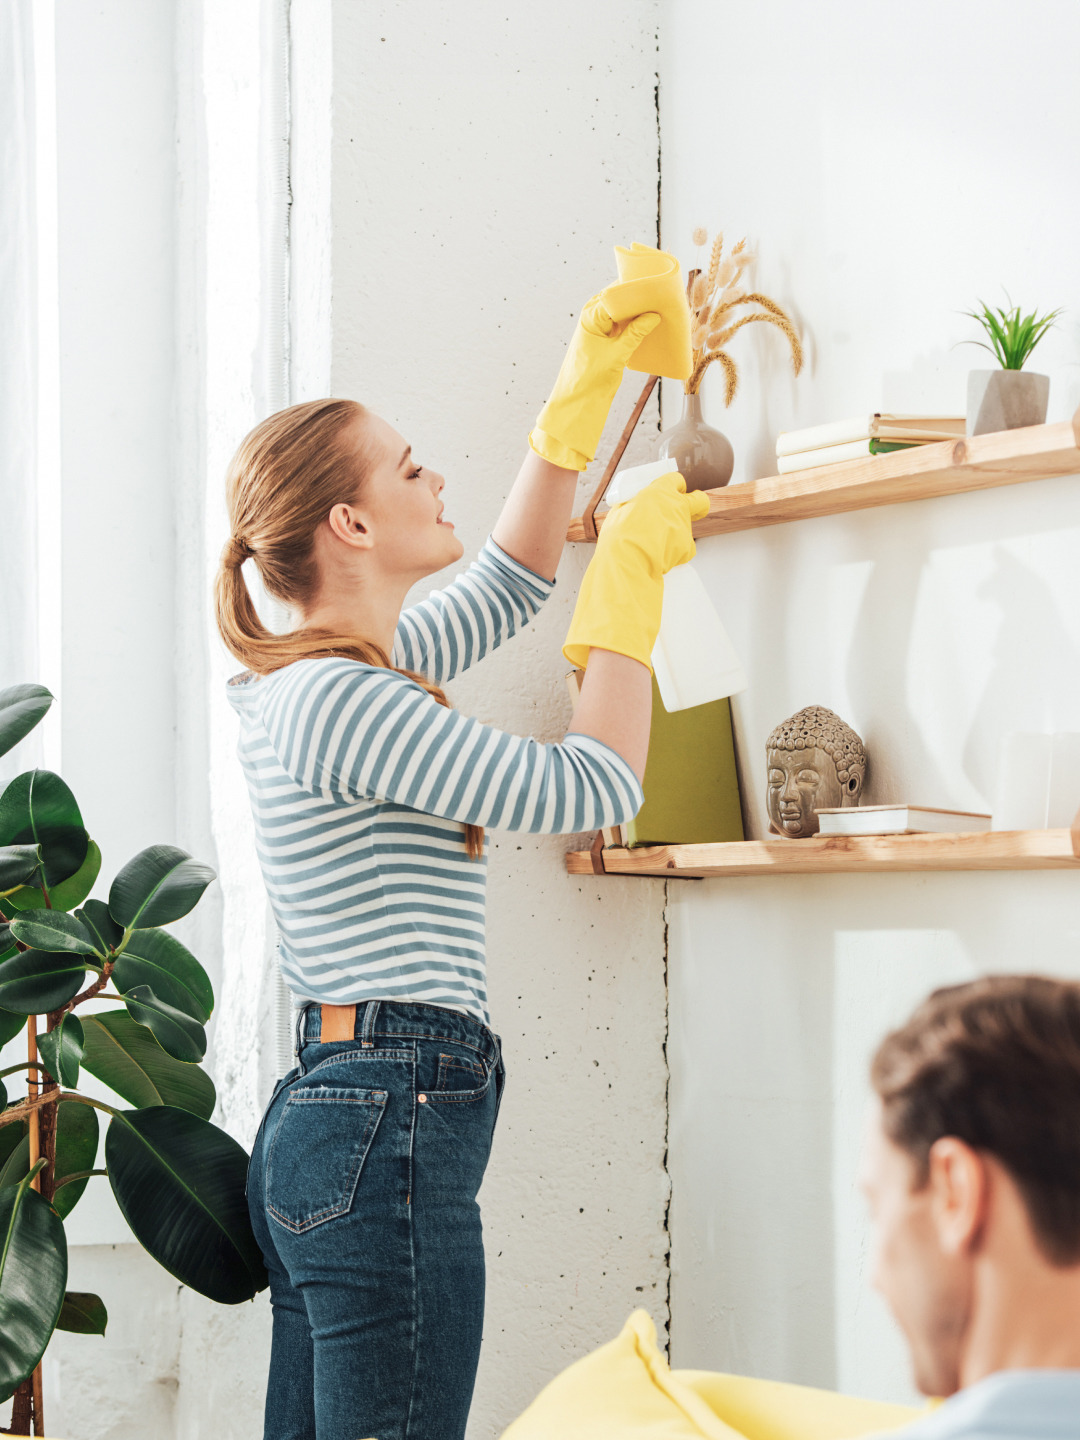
(282, 482)
(996, 1063)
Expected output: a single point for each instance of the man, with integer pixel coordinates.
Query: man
(972, 1172)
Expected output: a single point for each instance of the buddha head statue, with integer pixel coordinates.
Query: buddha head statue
(816, 762)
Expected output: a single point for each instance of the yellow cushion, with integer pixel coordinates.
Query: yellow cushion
(625, 1391)
(650, 281)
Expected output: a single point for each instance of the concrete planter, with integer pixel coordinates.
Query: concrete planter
(1005, 400)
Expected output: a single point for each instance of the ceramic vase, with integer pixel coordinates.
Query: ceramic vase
(1005, 400)
(701, 454)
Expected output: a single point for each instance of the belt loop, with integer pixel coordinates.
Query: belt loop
(371, 1014)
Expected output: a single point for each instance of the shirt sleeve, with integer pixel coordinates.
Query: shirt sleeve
(454, 628)
(347, 731)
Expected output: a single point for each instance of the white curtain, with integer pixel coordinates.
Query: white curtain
(18, 353)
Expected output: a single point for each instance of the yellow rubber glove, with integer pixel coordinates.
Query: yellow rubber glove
(569, 427)
(622, 595)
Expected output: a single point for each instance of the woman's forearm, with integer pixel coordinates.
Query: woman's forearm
(615, 706)
(532, 526)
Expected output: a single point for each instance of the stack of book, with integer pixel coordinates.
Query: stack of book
(865, 435)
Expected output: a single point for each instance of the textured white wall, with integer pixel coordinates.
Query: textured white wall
(486, 158)
(888, 180)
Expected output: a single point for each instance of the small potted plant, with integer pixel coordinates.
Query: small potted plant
(1008, 399)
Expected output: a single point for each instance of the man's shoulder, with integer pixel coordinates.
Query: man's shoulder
(1009, 1405)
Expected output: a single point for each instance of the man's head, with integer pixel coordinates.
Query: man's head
(972, 1171)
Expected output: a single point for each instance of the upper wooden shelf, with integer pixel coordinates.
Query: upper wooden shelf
(842, 854)
(979, 463)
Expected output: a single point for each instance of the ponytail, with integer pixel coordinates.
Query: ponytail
(282, 483)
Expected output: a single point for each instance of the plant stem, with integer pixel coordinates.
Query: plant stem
(11, 1069)
(92, 990)
(77, 1175)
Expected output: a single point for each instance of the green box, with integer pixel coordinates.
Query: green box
(691, 784)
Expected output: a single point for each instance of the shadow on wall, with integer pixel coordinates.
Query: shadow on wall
(1032, 685)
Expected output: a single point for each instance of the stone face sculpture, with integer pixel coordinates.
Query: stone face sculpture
(816, 762)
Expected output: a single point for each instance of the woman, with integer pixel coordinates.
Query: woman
(369, 795)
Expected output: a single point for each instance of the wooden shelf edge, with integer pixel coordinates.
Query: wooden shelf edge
(982, 462)
(869, 854)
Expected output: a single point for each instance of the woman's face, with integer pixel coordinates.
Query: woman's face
(401, 506)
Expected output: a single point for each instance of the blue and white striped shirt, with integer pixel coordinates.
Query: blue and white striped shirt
(361, 785)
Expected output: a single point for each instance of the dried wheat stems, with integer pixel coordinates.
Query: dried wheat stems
(713, 295)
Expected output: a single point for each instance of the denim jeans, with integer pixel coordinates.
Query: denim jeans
(362, 1191)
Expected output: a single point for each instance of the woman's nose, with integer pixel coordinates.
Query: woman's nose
(434, 479)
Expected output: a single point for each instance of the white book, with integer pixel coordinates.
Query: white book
(900, 820)
(836, 454)
(880, 425)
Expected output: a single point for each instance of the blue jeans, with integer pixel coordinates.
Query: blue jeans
(362, 1191)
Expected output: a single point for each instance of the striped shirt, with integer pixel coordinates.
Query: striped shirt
(361, 785)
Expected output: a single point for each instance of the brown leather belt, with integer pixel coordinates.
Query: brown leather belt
(338, 1022)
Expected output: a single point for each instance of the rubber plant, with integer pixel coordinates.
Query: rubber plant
(178, 1179)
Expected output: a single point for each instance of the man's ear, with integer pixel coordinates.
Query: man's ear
(959, 1189)
(347, 524)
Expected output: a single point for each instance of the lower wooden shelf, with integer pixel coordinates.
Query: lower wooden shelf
(864, 854)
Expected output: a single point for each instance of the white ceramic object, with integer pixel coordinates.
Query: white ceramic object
(693, 660)
(1038, 781)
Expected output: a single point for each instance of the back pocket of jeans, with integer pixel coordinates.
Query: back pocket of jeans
(317, 1153)
(460, 1081)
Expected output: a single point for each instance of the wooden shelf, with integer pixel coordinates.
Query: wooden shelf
(865, 854)
(1007, 457)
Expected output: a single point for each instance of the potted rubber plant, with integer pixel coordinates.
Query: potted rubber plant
(1009, 398)
(177, 1178)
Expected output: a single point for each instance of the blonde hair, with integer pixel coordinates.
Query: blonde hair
(282, 482)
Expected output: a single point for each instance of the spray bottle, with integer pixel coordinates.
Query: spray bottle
(693, 659)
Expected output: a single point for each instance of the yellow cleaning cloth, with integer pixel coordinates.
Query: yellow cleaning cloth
(650, 280)
(625, 1391)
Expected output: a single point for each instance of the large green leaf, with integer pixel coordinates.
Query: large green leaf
(158, 886)
(33, 1277)
(53, 930)
(18, 864)
(180, 1183)
(76, 1149)
(69, 893)
(61, 1050)
(106, 932)
(176, 1033)
(21, 708)
(157, 959)
(126, 1057)
(37, 981)
(83, 1313)
(37, 808)
(10, 1025)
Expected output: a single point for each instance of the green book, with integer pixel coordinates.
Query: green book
(691, 785)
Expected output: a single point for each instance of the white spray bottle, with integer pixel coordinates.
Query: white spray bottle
(693, 659)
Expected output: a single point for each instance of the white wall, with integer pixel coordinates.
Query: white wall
(486, 159)
(889, 176)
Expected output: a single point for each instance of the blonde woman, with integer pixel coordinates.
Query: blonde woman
(370, 797)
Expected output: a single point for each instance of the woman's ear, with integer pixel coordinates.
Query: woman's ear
(346, 524)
